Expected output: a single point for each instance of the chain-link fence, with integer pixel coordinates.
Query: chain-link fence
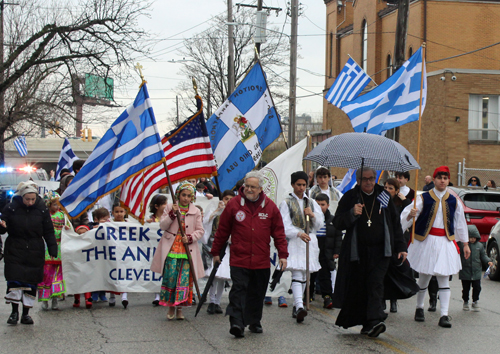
(466, 174)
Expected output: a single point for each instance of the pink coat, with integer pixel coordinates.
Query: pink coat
(194, 228)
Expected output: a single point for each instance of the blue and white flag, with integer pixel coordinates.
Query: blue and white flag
(384, 199)
(242, 128)
(393, 103)
(131, 145)
(348, 182)
(348, 85)
(20, 144)
(66, 159)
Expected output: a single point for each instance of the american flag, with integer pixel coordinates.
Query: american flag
(189, 155)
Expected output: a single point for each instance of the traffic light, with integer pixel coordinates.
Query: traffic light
(89, 135)
(82, 134)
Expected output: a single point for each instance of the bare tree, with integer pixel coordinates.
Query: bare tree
(49, 46)
(206, 60)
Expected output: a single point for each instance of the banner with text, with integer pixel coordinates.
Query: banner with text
(116, 256)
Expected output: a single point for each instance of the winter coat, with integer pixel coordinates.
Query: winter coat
(251, 229)
(194, 228)
(472, 267)
(28, 228)
(331, 243)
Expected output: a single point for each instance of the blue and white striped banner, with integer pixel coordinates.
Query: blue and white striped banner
(131, 145)
(393, 103)
(66, 159)
(348, 85)
(384, 199)
(242, 128)
(20, 144)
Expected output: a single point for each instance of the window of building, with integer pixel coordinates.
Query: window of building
(364, 45)
(389, 66)
(410, 52)
(484, 117)
(331, 54)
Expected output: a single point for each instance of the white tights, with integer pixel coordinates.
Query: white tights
(444, 291)
(298, 288)
(216, 291)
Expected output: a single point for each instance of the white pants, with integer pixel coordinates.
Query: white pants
(216, 291)
(18, 296)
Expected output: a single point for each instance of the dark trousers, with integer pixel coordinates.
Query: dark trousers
(324, 277)
(476, 289)
(246, 297)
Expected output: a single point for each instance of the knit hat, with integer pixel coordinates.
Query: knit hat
(299, 175)
(26, 187)
(441, 169)
(188, 186)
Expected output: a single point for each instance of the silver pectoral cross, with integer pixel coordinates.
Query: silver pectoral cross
(369, 222)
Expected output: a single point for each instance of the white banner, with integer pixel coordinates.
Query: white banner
(116, 256)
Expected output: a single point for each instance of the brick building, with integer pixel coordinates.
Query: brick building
(461, 118)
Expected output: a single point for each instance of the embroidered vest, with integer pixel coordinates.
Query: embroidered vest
(429, 211)
(296, 213)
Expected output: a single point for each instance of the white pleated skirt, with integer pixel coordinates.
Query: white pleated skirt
(224, 271)
(436, 255)
(297, 254)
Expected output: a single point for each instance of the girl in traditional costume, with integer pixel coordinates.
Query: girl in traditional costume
(171, 259)
(52, 286)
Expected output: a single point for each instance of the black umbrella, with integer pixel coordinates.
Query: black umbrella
(210, 280)
(353, 150)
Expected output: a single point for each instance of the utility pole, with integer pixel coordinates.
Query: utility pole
(209, 107)
(177, 110)
(259, 8)
(294, 13)
(230, 43)
(401, 30)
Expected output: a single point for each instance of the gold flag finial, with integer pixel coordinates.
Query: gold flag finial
(139, 68)
(195, 86)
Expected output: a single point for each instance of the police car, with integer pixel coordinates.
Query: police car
(10, 177)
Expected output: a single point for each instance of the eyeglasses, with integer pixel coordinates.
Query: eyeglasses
(473, 180)
(252, 187)
(368, 179)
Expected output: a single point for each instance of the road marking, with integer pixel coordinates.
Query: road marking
(377, 340)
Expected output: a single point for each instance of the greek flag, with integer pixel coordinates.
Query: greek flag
(131, 145)
(242, 128)
(20, 144)
(394, 103)
(384, 199)
(66, 159)
(348, 85)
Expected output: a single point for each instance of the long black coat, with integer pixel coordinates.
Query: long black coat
(345, 220)
(24, 251)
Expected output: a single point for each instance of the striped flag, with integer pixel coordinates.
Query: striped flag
(394, 103)
(20, 144)
(66, 159)
(243, 127)
(384, 199)
(348, 85)
(130, 146)
(189, 155)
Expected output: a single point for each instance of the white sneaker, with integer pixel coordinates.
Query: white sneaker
(466, 306)
(55, 306)
(45, 305)
(475, 307)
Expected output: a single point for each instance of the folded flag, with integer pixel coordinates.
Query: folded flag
(130, 146)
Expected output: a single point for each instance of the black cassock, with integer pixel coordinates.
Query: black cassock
(363, 263)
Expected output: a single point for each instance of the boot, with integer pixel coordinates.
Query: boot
(394, 306)
(444, 321)
(432, 302)
(54, 304)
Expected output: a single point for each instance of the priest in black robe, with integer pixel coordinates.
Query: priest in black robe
(373, 235)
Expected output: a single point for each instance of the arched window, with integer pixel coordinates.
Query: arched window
(410, 52)
(389, 66)
(364, 45)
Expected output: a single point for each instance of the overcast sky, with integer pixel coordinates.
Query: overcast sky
(169, 18)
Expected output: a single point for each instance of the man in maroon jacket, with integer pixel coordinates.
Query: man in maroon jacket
(251, 219)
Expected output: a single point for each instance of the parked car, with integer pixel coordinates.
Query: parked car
(11, 176)
(481, 208)
(492, 249)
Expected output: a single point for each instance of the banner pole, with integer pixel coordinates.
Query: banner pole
(418, 141)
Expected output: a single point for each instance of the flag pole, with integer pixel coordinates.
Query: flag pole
(418, 141)
(354, 60)
(257, 56)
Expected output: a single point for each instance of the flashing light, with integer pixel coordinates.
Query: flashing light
(6, 169)
(10, 192)
(28, 169)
